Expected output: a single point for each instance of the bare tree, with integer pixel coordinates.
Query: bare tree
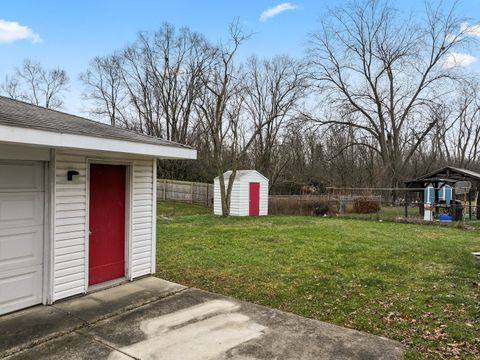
(385, 88)
(145, 108)
(39, 86)
(104, 87)
(219, 108)
(156, 80)
(274, 89)
(175, 61)
(383, 73)
(460, 139)
(10, 86)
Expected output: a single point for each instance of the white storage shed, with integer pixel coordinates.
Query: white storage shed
(77, 204)
(249, 194)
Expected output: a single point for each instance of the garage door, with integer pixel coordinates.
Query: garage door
(21, 234)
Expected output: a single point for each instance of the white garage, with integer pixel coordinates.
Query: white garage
(249, 194)
(77, 204)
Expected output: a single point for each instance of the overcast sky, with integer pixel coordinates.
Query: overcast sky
(69, 33)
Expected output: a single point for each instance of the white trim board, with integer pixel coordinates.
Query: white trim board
(50, 296)
(19, 152)
(154, 217)
(17, 135)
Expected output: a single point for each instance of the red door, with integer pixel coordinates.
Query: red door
(107, 223)
(254, 208)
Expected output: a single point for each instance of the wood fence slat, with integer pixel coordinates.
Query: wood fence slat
(176, 190)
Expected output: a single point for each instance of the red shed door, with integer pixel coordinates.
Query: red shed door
(107, 223)
(254, 208)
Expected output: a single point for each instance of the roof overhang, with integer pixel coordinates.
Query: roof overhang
(26, 136)
(240, 174)
(448, 175)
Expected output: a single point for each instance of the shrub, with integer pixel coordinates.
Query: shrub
(365, 206)
(294, 205)
(321, 209)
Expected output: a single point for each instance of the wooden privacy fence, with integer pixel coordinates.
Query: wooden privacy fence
(193, 192)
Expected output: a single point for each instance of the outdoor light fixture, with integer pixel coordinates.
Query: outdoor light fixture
(71, 174)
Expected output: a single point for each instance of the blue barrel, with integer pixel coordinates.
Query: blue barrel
(444, 217)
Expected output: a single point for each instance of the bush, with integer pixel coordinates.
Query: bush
(321, 209)
(294, 205)
(365, 206)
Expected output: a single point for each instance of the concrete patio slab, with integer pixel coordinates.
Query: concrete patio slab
(195, 324)
(190, 324)
(74, 346)
(27, 328)
(30, 326)
(105, 303)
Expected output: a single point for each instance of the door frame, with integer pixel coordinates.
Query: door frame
(48, 226)
(128, 217)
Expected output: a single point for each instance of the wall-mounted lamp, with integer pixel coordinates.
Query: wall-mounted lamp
(71, 174)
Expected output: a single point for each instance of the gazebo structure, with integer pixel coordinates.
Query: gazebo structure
(462, 181)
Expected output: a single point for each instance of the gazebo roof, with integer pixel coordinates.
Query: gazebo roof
(447, 174)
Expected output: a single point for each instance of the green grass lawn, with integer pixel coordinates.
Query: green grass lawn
(413, 283)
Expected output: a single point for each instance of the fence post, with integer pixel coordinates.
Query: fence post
(470, 204)
(206, 197)
(406, 204)
(191, 191)
(164, 190)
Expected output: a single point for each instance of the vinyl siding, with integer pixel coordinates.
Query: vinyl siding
(70, 221)
(69, 235)
(217, 204)
(235, 204)
(142, 207)
(235, 209)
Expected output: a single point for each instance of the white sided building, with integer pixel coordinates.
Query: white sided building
(77, 204)
(249, 194)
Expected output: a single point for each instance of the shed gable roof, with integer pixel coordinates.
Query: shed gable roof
(242, 174)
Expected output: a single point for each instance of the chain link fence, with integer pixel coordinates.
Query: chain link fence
(380, 204)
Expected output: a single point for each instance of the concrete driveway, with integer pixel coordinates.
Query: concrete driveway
(156, 319)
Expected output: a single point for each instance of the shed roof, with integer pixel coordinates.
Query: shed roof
(24, 116)
(448, 174)
(241, 174)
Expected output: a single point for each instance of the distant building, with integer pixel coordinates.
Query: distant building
(457, 188)
(249, 194)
